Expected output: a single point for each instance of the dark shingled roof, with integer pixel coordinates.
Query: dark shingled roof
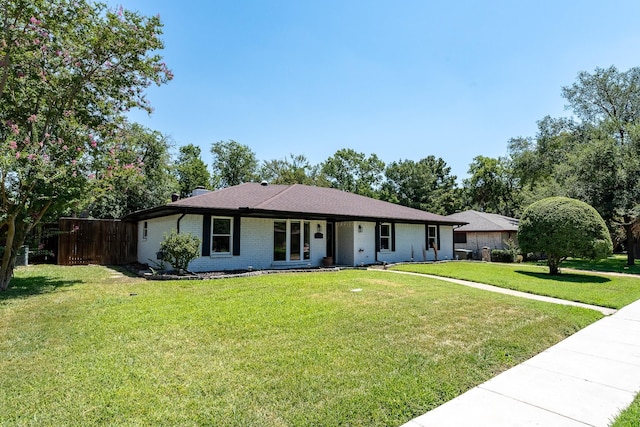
(254, 199)
(482, 221)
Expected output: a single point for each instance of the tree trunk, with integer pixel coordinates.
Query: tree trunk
(554, 266)
(6, 275)
(8, 257)
(16, 233)
(630, 244)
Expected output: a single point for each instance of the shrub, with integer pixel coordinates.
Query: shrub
(180, 249)
(499, 255)
(562, 227)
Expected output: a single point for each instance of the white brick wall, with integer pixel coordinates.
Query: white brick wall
(353, 247)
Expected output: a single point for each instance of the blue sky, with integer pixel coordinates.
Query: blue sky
(402, 79)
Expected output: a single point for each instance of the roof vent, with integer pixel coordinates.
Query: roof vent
(264, 183)
(175, 197)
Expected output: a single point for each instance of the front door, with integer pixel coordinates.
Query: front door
(331, 240)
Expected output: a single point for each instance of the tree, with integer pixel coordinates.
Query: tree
(142, 180)
(291, 170)
(191, 171)
(562, 227)
(426, 184)
(354, 172)
(233, 163)
(68, 73)
(606, 95)
(492, 186)
(609, 99)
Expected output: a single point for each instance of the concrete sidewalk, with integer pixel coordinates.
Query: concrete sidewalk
(585, 380)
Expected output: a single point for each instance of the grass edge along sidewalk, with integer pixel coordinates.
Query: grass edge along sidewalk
(584, 287)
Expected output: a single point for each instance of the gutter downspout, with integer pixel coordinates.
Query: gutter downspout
(178, 222)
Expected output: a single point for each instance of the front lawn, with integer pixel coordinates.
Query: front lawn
(605, 291)
(615, 263)
(82, 347)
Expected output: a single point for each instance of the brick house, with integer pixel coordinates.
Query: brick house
(290, 226)
(483, 230)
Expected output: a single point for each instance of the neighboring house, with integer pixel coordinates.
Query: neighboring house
(483, 230)
(263, 226)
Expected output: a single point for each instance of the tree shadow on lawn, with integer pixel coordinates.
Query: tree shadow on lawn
(24, 287)
(570, 278)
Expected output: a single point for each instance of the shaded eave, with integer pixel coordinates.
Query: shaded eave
(168, 210)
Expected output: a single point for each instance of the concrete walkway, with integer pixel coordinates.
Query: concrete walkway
(604, 310)
(585, 380)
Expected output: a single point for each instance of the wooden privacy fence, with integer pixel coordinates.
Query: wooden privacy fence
(96, 241)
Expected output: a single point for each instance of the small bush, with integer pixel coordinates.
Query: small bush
(180, 249)
(499, 255)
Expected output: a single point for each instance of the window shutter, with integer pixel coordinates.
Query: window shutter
(438, 236)
(236, 235)
(377, 234)
(426, 236)
(206, 235)
(393, 237)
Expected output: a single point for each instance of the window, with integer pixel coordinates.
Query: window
(294, 241)
(385, 237)
(291, 240)
(459, 237)
(280, 241)
(432, 237)
(221, 235)
(145, 230)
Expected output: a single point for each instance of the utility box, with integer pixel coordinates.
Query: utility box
(23, 256)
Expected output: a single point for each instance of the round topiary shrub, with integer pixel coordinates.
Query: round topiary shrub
(562, 227)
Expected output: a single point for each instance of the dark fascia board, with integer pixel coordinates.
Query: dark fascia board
(161, 211)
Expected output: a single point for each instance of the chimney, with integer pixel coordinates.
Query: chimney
(199, 190)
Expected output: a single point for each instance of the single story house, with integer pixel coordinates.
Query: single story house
(262, 226)
(483, 230)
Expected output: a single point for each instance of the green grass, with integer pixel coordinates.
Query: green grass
(630, 417)
(614, 263)
(80, 347)
(606, 291)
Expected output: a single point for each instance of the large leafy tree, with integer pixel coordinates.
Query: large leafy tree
(609, 99)
(69, 70)
(191, 170)
(351, 171)
(426, 184)
(290, 170)
(562, 227)
(233, 163)
(492, 187)
(596, 157)
(141, 177)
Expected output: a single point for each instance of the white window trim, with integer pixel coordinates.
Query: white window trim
(222, 254)
(435, 236)
(387, 236)
(288, 241)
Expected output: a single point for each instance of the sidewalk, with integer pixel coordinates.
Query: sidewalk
(585, 380)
